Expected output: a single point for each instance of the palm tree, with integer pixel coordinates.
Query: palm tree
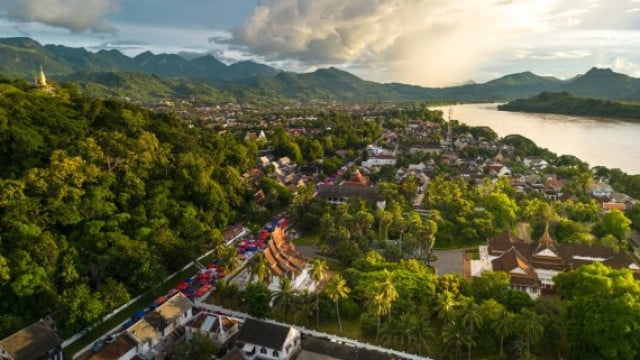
(318, 272)
(503, 326)
(472, 319)
(306, 305)
(260, 268)
(384, 295)
(458, 335)
(230, 257)
(337, 289)
(530, 326)
(446, 306)
(392, 333)
(421, 333)
(406, 331)
(285, 296)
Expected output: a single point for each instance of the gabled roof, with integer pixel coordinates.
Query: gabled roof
(511, 260)
(174, 307)
(263, 334)
(503, 241)
(31, 342)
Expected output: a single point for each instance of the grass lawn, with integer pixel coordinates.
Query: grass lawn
(307, 240)
(123, 315)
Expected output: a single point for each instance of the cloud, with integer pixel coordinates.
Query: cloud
(552, 55)
(623, 65)
(426, 42)
(75, 15)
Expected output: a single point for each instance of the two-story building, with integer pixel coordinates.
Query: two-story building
(262, 340)
(150, 331)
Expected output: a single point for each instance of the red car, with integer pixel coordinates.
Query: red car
(183, 285)
(202, 290)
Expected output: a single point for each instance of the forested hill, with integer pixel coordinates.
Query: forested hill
(151, 77)
(565, 103)
(101, 199)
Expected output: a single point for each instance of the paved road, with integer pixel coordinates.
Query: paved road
(449, 261)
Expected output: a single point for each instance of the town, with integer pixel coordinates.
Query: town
(429, 237)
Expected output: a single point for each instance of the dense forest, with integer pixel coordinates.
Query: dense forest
(100, 200)
(565, 103)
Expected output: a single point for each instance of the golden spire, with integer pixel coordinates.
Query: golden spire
(42, 79)
(546, 242)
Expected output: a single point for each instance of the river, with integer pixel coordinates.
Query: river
(598, 141)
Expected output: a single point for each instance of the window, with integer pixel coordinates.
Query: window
(263, 350)
(275, 353)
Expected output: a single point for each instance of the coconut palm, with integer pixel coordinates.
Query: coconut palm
(318, 272)
(446, 306)
(472, 319)
(421, 333)
(392, 333)
(458, 335)
(504, 326)
(259, 268)
(530, 326)
(230, 257)
(305, 305)
(384, 294)
(285, 296)
(336, 290)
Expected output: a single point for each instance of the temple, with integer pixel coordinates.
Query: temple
(532, 266)
(285, 260)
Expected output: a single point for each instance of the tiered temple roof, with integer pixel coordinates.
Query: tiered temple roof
(282, 256)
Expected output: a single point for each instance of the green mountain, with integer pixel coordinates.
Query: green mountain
(141, 87)
(179, 77)
(504, 88)
(603, 84)
(23, 56)
(565, 103)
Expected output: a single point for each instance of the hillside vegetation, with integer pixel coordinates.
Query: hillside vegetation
(565, 103)
(101, 199)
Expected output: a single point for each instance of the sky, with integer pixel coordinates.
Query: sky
(422, 42)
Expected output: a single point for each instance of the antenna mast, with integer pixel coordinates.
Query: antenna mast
(449, 131)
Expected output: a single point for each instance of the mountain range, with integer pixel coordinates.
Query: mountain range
(147, 76)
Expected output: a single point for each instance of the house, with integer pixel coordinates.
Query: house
(150, 331)
(263, 161)
(38, 341)
(600, 189)
(608, 206)
(218, 328)
(532, 266)
(535, 162)
(262, 340)
(625, 199)
(379, 160)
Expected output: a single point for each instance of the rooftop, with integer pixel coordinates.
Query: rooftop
(31, 342)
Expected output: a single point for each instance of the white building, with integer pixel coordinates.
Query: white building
(262, 340)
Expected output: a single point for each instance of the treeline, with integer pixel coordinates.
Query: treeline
(99, 200)
(565, 103)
